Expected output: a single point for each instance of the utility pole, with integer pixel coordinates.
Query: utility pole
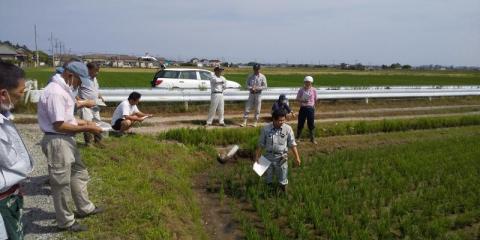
(53, 52)
(36, 48)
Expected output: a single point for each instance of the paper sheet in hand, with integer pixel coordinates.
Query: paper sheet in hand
(100, 103)
(104, 126)
(261, 166)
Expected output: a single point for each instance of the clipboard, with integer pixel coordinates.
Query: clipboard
(104, 126)
(261, 166)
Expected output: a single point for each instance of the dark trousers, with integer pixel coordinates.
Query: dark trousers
(11, 212)
(306, 113)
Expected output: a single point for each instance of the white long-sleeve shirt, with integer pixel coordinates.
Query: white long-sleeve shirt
(218, 84)
(15, 161)
(258, 82)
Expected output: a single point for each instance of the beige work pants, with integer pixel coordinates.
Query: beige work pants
(255, 101)
(68, 176)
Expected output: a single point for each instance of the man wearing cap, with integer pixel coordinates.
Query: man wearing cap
(307, 97)
(276, 138)
(91, 92)
(256, 83)
(282, 104)
(15, 161)
(67, 172)
(217, 85)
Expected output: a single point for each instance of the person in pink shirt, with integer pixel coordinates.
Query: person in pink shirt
(306, 97)
(68, 174)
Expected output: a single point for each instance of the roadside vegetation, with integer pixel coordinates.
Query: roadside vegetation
(289, 77)
(364, 180)
(249, 136)
(146, 186)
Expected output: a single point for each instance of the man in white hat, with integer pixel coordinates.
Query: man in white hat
(218, 84)
(307, 97)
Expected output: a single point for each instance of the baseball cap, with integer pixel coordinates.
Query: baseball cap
(81, 70)
(59, 70)
(308, 79)
(256, 66)
(218, 68)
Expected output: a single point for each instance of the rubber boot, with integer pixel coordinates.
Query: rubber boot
(244, 124)
(299, 133)
(312, 136)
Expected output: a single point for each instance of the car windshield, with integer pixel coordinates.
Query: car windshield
(167, 74)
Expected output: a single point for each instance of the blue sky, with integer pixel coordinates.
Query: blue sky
(417, 32)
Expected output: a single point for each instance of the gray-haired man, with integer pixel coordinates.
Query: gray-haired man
(256, 83)
(91, 92)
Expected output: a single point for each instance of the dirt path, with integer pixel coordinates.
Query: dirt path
(217, 217)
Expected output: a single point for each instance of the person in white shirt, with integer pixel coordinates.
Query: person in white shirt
(218, 84)
(15, 161)
(91, 93)
(127, 113)
(256, 83)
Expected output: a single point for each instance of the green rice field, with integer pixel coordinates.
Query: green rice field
(390, 179)
(140, 78)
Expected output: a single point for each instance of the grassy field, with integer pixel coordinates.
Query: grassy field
(290, 77)
(385, 181)
(146, 186)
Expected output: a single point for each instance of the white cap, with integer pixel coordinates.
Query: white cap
(308, 79)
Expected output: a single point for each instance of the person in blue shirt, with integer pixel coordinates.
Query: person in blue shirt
(282, 103)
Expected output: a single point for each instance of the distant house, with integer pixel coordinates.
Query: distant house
(215, 63)
(194, 60)
(124, 61)
(7, 53)
(22, 54)
(102, 60)
(61, 59)
(205, 62)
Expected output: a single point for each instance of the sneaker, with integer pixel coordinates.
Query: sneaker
(254, 124)
(208, 124)
(97, 210)
(222, 124)
(243, 124)
(76, 227)
(313, 141)
(283, 188)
